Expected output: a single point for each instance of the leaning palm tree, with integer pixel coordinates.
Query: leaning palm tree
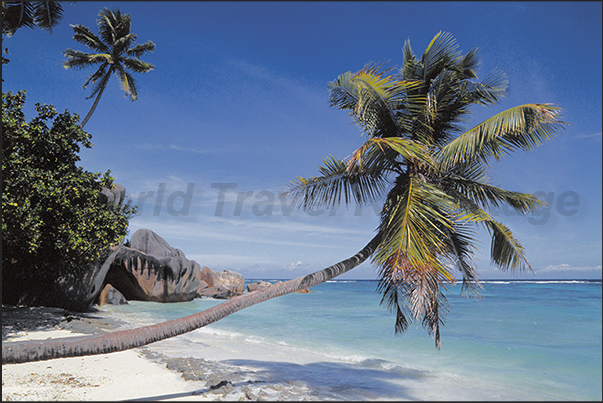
(431, 174)
(116, 52)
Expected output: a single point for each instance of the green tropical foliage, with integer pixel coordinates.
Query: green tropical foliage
(53, 221)
(18, 14)
(431, 173)
(114, 50)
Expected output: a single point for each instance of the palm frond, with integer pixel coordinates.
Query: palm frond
(506, 252)
(487, 195)
(372, 97)
(415, 222)
(412, 291)
(84, 36)
(107, 23)
(123, 24)
(337, 183)
(523, 127)
(140, 49)
(491, 89)
(99, 73)
(128, 84)
(137, 65)
(47, 14)
(78, 60)
(377, 147)
(123, 43)
(408, 61)
(461, 254)
(100, 84)
(467, 64)
(390, 286)
(16, 14)
(440, 52)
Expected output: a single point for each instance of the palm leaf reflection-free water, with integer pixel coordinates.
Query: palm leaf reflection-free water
(523, 340)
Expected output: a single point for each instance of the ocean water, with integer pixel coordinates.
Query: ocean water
(522, 340)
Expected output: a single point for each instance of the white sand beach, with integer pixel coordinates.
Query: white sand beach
(116, 376)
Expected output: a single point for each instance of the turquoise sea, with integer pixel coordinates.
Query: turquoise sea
(523, 340)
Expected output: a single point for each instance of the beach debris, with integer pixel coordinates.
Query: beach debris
(227, 385)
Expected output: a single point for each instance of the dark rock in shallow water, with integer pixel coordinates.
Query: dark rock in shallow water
(151, 270)
(110, 296)
(221, 284)
(258, 286)
(304, 291)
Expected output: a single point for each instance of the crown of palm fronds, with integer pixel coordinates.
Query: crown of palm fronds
(114, 49)
(435, 171)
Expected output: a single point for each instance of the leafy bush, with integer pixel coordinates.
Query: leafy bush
(53, 220)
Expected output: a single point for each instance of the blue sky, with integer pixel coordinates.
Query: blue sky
(238, 107)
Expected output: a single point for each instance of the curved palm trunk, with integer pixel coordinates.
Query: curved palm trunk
(91, 111)
(26, 351)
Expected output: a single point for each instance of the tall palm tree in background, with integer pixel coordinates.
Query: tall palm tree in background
(18, 14)
(431, 174)
(116, 52)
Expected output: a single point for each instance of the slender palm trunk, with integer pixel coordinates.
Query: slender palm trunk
(93, 106)
(26, 351)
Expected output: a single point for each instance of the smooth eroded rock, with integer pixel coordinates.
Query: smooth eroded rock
(257, 286)
(110, 296)
(151, 270)
(221, 284)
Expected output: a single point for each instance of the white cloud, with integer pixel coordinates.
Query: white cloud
(564, 267)
(190, 231)
(312, 95)
(187, 149)
(210, 259)
(589, 136)
(289, 226)
(163, 147)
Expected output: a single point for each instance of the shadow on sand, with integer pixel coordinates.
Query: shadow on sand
(367, 380)
(17, 319)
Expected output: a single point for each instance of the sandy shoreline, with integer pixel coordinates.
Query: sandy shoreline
(122, 375)
(137, 374)
(115, 376)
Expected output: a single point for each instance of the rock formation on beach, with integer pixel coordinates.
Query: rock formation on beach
(151, 270)
(109, 295)
(148, 270)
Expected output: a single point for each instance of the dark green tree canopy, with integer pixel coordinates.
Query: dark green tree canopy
(53, 220)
